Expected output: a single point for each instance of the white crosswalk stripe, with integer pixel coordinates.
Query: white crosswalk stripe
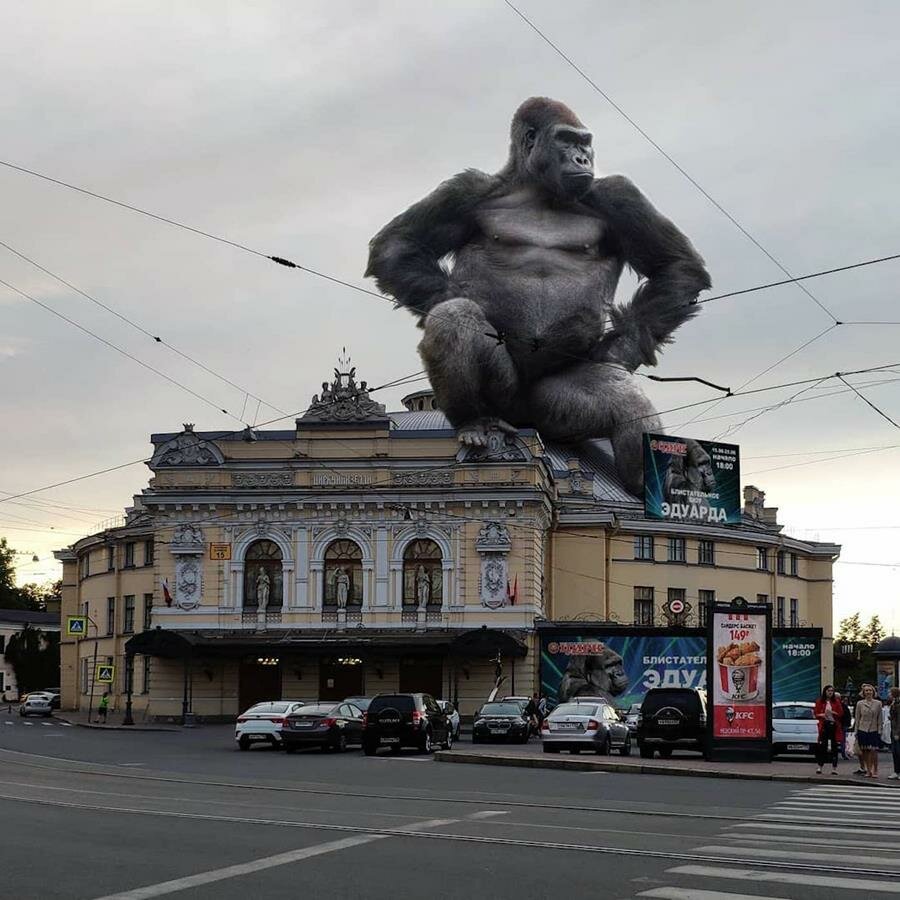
(819, 828)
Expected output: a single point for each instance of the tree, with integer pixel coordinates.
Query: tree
(874, 631)
(850, 629)
(34, 657)
(30, 597)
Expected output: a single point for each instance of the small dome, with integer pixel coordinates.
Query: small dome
(420, 401)
(889, 646)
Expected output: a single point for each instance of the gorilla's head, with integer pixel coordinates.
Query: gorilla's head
(699, 467)
(549, 146)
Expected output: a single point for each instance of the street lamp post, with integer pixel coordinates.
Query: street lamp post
(94, 669)
(129, 687)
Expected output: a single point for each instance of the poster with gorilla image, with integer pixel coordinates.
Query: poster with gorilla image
(691, 481)
(623, 667)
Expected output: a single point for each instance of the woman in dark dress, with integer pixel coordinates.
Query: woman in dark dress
(829, 712)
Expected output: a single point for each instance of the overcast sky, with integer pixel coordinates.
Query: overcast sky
(300, 129)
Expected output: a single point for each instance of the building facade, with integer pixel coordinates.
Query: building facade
(364, 551)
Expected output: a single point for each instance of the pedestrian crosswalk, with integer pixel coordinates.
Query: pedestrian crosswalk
(31, 723)
(823, 841)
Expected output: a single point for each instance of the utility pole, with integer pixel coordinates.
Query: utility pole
(94, 669)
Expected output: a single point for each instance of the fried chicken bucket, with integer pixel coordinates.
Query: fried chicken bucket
(738, 665)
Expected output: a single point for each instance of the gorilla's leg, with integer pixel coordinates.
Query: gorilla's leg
(596, 400)
(473, 376)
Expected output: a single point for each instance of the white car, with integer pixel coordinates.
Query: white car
(453, 715)
(262, 723)
(794, 728)
(36, 704)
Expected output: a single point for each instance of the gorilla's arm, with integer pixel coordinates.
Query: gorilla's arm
(405, 256)
(675, 273)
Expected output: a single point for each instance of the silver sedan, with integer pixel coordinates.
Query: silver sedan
(585, 725)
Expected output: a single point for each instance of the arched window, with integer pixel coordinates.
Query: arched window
(343, 558)
(422, 574)
(262, 570)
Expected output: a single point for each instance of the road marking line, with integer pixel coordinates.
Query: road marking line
(9, 723)
(827, 829)
(132, 764)
(268, 862)
(792, 817)
(765, 853)
(488, 813)
(827, 881)
(47, 724)
(856, 809)
(860, 792)
(677, 893)
(815, 841)
(29, 724)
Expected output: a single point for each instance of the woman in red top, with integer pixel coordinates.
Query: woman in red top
(828, 712)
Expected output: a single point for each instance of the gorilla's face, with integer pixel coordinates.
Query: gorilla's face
(618, 680)
(561, 158)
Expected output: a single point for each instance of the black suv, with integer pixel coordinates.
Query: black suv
(405, 720)
(672, 719)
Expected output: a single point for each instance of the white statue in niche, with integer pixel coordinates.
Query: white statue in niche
(263, 585)
(341, 587)
(423, 587)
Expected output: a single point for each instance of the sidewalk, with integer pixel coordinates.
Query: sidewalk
(532, 756)
(114, 722)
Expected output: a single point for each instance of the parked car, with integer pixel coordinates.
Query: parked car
(583, 724)
(263, 722)
(54, 695)
(503, 721)
(672, 719)
(631, 718)
(329, 726)
(794, 728)
(361, 703)
(453, 713)
(36, 704)
(405, 720)
(522, 701)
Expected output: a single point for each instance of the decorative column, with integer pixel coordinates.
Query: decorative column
(493, 545)
(188, 548)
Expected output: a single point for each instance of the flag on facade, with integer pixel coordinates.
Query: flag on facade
(167, 594)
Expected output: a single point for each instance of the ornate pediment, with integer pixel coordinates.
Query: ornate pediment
(343, 400)
(187, 449)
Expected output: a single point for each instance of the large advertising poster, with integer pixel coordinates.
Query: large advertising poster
(686, 480)
(624, 667)
(740, 690)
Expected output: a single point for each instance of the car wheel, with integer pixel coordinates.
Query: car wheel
(341, 745)
(369, 749)
(448, 744)
(244, 744)
(550, 748)
(427, 743)
(646, 753)
(665, 752)
(626, 747)
(606, 747)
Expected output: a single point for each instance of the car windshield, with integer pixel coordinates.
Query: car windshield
(792, 712)
(575, 709)
(403, 703)
(315, 709)
(270, 708)
(361, 703)
(500, 709)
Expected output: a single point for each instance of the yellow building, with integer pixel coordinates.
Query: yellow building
(364, 551)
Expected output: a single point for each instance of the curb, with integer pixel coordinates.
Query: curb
(116, 727)
(575, 765)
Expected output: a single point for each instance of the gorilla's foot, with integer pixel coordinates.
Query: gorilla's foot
(475, 433)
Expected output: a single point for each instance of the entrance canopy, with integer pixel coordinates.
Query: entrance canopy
(486, 642)
(158, 642)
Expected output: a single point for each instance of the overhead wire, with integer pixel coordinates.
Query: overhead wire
(868, 402)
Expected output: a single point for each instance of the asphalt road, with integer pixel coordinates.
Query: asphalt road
(102, 814)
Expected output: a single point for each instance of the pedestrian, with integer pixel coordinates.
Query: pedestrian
(8, 698)
(531, 711)
(868, 729)
(894, 717)
(829, 712)
(846, 722)
(103, 708)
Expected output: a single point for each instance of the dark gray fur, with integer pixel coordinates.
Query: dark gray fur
(521, 326)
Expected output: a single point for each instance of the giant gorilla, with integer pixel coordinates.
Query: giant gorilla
(513, 277)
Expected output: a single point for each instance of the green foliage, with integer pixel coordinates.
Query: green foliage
(34, 657)
(850, 629)
(874, 631)
(32, 596)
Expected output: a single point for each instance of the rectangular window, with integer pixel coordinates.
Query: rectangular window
(793, 564)
(779, 613)
(677, 594)
(110, 559)
(762, 598)
(110, 615)
(129, 555)
(643, 546)
(84, 565)
(780, 568)
(643, 606)
(128, 614)
(677, 550)
(762, 559)
(706, 553)
(706, 597)
(148, 610)
(145, 686)
(86, 611)
(148, 553)
(795, 613)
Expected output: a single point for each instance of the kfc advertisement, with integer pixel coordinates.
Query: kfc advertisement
(740, 689)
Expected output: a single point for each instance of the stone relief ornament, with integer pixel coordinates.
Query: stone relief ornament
(500, 446)
(188, 583)
(187, 449)
(262, 479)
(187, 534)
(493, 544)
(493, 535)
(343, 400)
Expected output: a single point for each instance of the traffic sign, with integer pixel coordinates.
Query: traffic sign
(76, 626)
(105, 674)
(220, 551)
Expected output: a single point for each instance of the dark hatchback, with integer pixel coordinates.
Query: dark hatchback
(500, 722)
(329, 726)
(672, 719)
(406, 720)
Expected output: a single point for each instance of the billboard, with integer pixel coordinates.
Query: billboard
(691, 481)
(624, 667)
(740, 687)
